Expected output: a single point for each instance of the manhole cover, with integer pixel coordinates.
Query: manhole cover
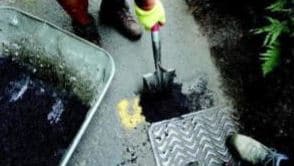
(196, 137)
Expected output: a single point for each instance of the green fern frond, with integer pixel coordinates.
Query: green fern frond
(273, 30)
(270, 58)
(278, 6)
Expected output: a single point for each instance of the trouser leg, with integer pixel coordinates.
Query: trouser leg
(83, 23)
(114, 4)
(77, 9)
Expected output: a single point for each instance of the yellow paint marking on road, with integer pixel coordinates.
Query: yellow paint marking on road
(130, 116)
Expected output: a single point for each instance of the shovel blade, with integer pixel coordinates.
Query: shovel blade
(153, 83)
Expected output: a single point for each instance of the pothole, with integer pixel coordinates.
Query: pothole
(179, 100)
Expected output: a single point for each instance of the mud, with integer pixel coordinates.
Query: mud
(37, 119)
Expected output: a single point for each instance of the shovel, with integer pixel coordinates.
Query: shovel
(162, 79)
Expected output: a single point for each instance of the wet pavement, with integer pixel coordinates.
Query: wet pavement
(110, 139)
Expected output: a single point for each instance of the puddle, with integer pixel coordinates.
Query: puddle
(38, 120)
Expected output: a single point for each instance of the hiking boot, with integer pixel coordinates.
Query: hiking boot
(88, 31)
(122, 20)
(254, 152)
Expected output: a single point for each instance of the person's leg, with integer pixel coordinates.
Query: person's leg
(77, 9)
(117, 14)
(83, 23)
(114, 4)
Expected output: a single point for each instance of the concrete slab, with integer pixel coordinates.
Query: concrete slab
(107, 141)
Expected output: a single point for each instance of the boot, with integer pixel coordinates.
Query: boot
(119, 16)
(254, 152)
(88, 31)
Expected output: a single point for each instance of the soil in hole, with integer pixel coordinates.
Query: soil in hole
(177, 100)
(165, 105)
(37, 120)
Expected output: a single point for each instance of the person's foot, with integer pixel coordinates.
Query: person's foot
(254, 152)
(87, 31)
(122, 20)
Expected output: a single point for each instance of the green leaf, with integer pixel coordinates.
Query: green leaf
(273, 30)
(278, 6)
(270, 58)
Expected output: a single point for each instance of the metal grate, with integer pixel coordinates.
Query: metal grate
(196, 137)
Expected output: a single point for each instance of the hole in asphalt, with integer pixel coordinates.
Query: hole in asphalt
(175, 101)
(164, 105)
